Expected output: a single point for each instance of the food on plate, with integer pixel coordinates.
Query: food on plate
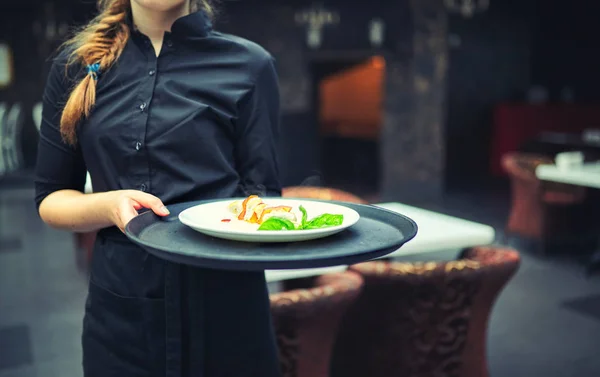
(253, 210)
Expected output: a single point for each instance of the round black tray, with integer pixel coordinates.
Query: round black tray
(377, 233)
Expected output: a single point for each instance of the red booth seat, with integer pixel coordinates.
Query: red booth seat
(515, 124)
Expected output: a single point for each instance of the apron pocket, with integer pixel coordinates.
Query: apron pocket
(123, 336)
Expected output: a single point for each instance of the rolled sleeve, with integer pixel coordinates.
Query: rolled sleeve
(59, 165)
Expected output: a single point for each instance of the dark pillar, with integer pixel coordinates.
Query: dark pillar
(412, 140)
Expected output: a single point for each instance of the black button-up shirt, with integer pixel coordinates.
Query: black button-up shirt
(200, 121)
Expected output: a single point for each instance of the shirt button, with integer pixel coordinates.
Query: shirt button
(151, 72)
(169, 43)
(138, 145)
(143, 106)
(143, 187)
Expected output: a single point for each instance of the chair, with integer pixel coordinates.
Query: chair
(3, 164)
(306, 322)
(535, 203)
(421, 320)
(323, 193)
(11, 137)
(36, 114)
(320, 193)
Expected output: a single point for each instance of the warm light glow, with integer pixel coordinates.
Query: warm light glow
(351, 101)
(378, 62)
(6, 66)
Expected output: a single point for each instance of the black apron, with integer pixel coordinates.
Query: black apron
(149, 317)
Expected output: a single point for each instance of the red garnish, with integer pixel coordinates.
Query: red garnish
(226, 220)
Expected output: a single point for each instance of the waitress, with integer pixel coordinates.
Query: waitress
(160, 109)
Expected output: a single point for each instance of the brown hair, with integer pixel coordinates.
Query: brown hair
(99, 42)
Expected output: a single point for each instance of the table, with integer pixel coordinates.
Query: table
(552, 143)
(437, 232)
(273, 276)
(587, 175)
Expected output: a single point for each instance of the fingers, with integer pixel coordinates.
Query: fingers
(126, 213)
(129, 202)
(144, 200)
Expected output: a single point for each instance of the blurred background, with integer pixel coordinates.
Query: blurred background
(449, 106)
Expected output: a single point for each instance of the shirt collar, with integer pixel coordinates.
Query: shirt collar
(194, 25)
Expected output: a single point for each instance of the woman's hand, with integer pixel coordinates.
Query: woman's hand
(122, 206)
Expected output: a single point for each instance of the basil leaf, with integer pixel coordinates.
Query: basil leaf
(323, 221)
(277, 223)
(304, 217)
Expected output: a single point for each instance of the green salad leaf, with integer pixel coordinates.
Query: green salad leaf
(323, 221)
(277, 223)
(304, 217)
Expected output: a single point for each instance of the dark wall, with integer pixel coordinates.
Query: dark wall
(566, 52)
(34, 30)
(490, 62)
(503, 53)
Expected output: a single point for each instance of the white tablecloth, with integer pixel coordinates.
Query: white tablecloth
(437, 232)
(587, 175)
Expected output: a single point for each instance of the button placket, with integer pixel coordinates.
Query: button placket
(145, 97)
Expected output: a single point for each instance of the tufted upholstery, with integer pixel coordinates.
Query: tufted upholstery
(423, 320)
(306, 322)
(322, 193)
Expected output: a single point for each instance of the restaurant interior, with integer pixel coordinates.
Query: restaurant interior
(477, 119)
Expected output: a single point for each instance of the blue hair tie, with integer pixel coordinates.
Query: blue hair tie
(93, 70)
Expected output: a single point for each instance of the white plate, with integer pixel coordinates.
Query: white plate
(207, 218)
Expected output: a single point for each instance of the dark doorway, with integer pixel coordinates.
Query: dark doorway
(347, 95)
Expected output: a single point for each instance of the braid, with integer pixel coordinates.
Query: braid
(102, 42)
